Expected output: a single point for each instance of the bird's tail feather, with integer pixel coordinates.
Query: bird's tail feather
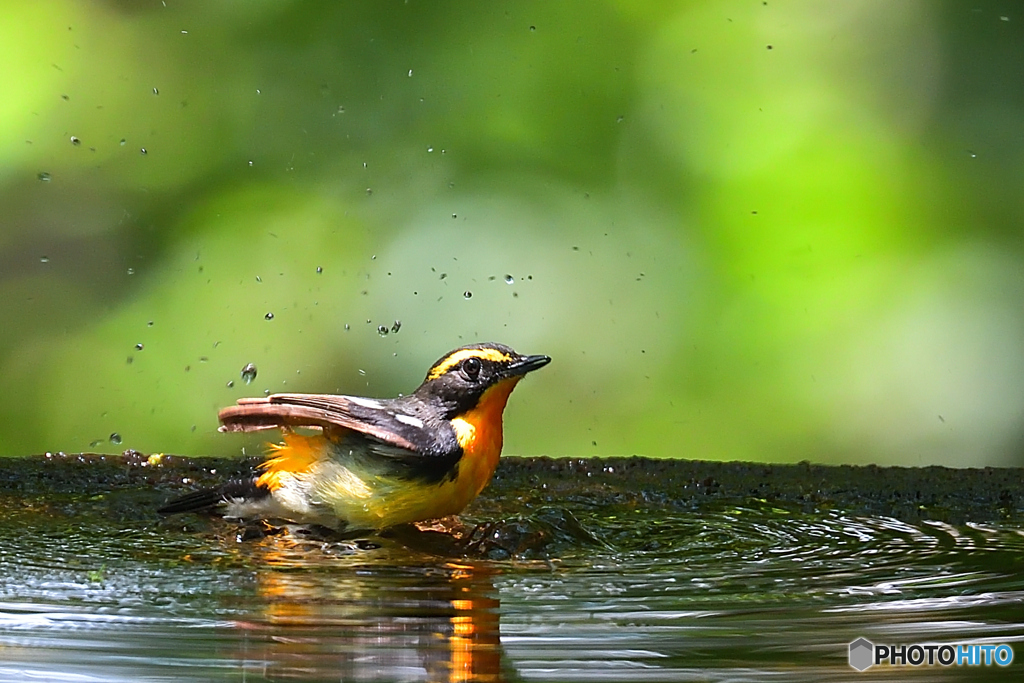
(208, 499)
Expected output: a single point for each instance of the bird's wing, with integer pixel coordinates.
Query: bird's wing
(382, 420)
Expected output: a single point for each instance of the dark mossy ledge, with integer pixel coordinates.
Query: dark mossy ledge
(906, 493)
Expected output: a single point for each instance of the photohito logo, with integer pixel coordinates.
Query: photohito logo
(864, 654)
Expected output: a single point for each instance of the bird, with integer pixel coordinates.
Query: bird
(367, 464)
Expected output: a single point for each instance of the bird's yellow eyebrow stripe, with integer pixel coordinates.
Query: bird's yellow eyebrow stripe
(459, 356)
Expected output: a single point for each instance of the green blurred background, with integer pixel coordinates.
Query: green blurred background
(757, 230)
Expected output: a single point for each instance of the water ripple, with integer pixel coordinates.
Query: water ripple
(731, 591)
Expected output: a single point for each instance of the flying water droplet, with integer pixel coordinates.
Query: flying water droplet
(468, 294)
(44, 176)
(115, 438)
(249, 372)
(230, 383)
(382, 330)
(138, 347)
(397, 326)
(509, 279)
(268, 316)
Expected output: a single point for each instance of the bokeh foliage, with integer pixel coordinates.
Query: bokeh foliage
(759, 230)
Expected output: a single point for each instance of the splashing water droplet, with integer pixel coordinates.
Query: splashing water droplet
(397, 326)
(230, 383)
(382, 330)
(75, 141)
(143, 151)
(115, 438)
(249, 372)
(44, 176)
(44, 259)
(138, 347)
(268, 316)
(468, 294)
(509, 279)
(319, 269)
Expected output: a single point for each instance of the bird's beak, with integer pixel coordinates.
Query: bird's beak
(525, 364)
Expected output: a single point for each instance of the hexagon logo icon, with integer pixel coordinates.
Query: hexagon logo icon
(862, 654)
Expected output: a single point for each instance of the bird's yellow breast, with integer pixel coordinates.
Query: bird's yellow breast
(479, 433)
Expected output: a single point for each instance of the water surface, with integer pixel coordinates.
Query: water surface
(580, 571)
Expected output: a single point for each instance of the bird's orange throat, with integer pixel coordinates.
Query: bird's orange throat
(479, 434)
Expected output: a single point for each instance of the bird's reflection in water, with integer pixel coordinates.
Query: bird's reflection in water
(369, 610)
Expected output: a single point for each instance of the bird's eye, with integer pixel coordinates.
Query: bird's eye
(471, 368)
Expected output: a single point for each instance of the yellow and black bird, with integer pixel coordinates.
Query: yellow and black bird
(374, 463)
